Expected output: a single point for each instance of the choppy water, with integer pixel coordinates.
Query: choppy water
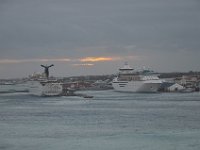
(109, 121)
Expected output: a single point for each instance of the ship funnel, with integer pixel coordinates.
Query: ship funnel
(46, 70)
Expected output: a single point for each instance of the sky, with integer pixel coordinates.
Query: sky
(96, 37)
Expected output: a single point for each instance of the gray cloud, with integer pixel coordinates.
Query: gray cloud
(80, 28)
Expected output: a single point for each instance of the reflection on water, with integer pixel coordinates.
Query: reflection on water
(109, 121)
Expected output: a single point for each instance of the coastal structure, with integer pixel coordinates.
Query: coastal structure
(189, 82)
(171, 87)
(132, 80)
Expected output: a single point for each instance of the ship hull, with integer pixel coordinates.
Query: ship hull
(136, 86)
(48, 89)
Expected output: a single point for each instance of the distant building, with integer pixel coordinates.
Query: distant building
(187, 81)
(36, 75)
(171, 87)
(175, 88)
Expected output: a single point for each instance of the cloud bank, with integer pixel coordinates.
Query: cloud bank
(162, 34)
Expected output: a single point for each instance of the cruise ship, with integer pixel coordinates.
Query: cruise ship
(45, 88)
(43, 85)
(136, 80)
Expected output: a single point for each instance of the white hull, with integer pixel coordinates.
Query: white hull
(137, 86)
(48, 89)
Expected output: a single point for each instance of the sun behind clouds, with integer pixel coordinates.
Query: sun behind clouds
(97, 59)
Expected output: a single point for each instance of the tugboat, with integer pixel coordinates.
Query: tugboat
(88, 96)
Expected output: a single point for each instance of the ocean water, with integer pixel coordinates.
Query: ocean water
(109, 121)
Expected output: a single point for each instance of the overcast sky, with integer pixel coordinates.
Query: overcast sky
(88, 37)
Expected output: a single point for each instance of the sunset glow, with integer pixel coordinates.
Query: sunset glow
(96, 59)
(82, 61)
(83, 64)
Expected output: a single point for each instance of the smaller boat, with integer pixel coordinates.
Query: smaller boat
(87, 96)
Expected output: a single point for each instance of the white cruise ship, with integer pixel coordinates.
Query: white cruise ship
(131, 80)
(45, 88)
